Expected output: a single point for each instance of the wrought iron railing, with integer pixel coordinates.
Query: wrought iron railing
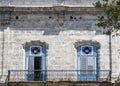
(58, 75)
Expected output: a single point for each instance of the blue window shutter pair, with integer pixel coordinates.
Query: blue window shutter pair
(87, 63)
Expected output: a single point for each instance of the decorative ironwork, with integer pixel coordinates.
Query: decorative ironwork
(86, 50)
(54, 75)
(35, 50)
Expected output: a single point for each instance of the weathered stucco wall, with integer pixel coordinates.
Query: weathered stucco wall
(60, 30)
(0, 51)
(115, 57)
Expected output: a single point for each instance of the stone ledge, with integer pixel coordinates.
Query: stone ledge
(62, 83)
(51, 9)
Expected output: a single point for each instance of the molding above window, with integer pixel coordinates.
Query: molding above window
(87, 42)
(36, 43)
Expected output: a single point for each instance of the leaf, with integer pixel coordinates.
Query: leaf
(97, 4)
(112, 12)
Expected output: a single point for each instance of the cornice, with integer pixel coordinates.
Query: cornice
(72, 9)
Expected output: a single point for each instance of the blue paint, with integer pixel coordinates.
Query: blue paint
(87, 62)
(31, 53)
(27, 54)
(43, 73)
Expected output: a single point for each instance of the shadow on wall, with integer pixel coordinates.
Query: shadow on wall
(52, 23)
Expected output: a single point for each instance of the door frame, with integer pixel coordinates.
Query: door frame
(42, 55)
(79, 54)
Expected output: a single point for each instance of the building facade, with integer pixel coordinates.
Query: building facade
(57, 38)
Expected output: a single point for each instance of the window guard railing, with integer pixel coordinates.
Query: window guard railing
(55, 75)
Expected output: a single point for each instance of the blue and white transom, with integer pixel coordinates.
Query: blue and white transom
(86, 50)
(35, 50)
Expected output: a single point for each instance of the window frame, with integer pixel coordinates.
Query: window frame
(93, 55)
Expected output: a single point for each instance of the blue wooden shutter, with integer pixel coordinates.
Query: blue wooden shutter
(78, 59)
(29, 65)
(27, 55)
(43, 61)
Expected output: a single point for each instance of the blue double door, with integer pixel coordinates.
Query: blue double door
(35, 72)
(87, 63)
(35, 64)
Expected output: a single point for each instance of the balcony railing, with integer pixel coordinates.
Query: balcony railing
(58, 75)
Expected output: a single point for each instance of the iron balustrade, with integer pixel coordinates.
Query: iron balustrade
(55, 75)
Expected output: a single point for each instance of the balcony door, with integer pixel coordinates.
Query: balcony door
(87, 63)
(35, 63)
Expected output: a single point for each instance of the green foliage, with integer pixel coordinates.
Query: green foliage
(111, 19)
